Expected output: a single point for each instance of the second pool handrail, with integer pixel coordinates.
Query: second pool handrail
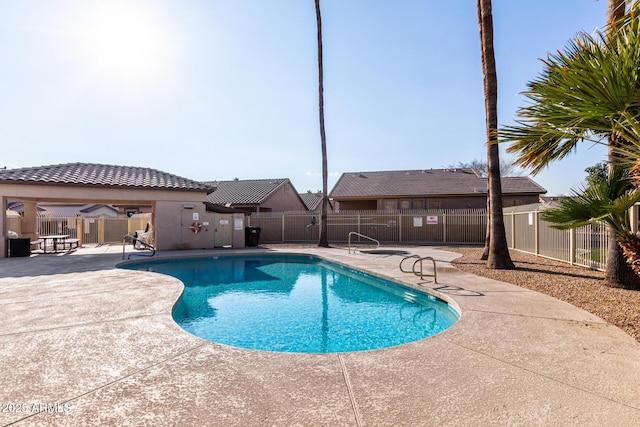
(353, 233)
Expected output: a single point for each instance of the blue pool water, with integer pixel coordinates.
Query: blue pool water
(292, 303)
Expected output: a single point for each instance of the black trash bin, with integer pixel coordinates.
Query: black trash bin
(252, 236)
(17, 247)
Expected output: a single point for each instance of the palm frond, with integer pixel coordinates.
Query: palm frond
(586, 92)
(607, 200)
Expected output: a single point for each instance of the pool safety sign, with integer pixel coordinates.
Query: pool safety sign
(417, 221)
(432, 219)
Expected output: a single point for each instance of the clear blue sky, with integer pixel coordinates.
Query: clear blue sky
(219, 89)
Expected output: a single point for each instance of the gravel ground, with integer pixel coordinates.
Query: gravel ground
(576, 285)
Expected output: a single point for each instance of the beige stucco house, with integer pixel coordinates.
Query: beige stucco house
(177, 204)
(70, 210)
(257, 195)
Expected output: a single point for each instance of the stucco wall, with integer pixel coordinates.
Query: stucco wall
(285, 199)
(173, 221)
(171, 229)
(3, 226)
(172, 226)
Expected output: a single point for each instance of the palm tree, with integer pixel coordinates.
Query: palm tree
(617, 271)
(607, 200)
(496, 250)
(588, 92)
(324, 240)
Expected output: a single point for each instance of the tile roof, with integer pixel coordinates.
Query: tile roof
(244, 192)
(311, 200)
(99, 175)
(443, 182)
(67, 210)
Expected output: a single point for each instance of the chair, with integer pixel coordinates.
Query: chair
(142, 237)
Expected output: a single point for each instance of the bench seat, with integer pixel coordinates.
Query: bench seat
(70, 243)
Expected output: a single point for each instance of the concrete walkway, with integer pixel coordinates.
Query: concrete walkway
(85, 343)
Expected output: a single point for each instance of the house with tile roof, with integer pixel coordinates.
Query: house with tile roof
(427, 189)
(257, 195)
(313, 201)
(176, 203)
(69, 210)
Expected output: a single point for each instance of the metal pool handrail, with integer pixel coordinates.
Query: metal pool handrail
(421, 273)
(143, 243)
(364, 237)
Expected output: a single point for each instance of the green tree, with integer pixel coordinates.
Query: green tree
(587, 92)
(597, 173)
(323, 240)
(496, 250)
(607, 200)
(480, 167)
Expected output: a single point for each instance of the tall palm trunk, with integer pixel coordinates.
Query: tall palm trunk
(498, 256)
(618, 272)
(324, 240)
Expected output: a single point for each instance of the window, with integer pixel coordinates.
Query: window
(433, 203)
(390, 205)
(405, 204)
(418, 203)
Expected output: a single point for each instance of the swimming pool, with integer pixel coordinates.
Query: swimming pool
(297, 303)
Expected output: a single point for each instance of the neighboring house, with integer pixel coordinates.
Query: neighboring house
(549, 199)
(257, 195)
(313, 201)
(427, 189)
(70, 210)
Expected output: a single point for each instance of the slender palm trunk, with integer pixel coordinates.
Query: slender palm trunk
(615, 10)
(498, 257)
(487, 236)
(618, 272)
(324, 240)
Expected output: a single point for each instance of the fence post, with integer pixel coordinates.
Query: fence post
(536, 231)
(283, 228)
(444, 227)
(513, 229)
(399, 227)
(101, 231)
(572, 246)
(79, 230)
(633, 217)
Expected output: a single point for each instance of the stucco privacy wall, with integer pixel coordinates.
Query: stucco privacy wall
(174, 221)
(167, 206)
(3, 225)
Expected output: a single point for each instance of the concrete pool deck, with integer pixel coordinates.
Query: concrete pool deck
(85, 343)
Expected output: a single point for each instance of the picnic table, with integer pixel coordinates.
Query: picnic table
(57, 242)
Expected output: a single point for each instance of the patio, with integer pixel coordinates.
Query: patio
(84, 343)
